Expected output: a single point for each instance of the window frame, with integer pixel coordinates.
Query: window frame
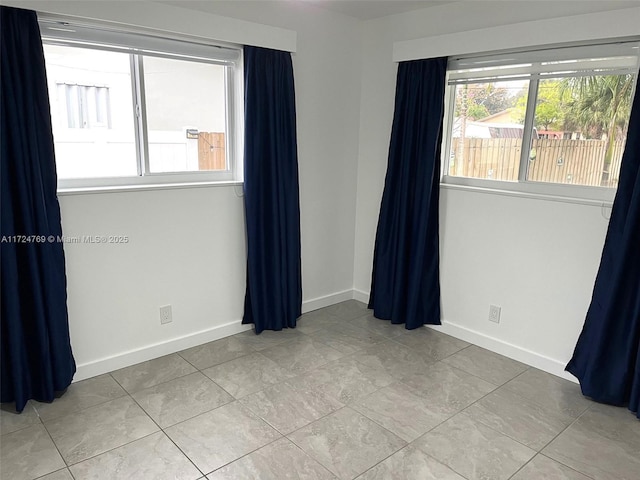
(523, 187)
(138, 44)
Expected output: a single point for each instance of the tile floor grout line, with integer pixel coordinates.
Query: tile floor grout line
(359, 413)
(151, 386)
(66, 464)
(201, 370)
(178, 353)
(164, 382)
(330, 470)
(119, 446)
(222, 363)
(560, 433)
(56, 417)
(509, 436)
(565, 429)
(497, 386)
(533, 400)
(400, 381)
(568, 466)
(220, 387)
(350, 405)
(247, 454)
(273, 385)
(131, 394)
(523, 466)
(382, 426)
(539, 452)
(384, 459)
(109, 450)
(460, 412)
(309, 456)
(55, 471)
(203, 475)
(469, 406)
(69, 465)
(166, 435)
(55, 445)
(463, 371)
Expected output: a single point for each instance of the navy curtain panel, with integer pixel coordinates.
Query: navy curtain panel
(273, 298)
(606, 359)
(405, 285)
(37, 362)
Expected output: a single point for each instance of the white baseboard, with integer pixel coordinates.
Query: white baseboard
(149, 352)
(528, 357)
(326, 301)
(361, 296)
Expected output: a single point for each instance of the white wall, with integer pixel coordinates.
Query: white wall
(535, 258)
(327, 78)
(187, 246)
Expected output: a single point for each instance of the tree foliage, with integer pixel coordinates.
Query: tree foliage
(599, 104)
(551, 106)
(592, 105)
(483, 99)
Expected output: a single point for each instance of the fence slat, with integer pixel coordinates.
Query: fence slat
(582, 160)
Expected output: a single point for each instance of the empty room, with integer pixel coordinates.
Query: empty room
(320, 239)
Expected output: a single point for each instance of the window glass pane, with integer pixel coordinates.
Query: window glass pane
(580, 130)
(186, 115)
(487, 130)
(91, 112)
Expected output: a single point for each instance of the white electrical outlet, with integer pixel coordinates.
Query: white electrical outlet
(494, 313)
(165, 314)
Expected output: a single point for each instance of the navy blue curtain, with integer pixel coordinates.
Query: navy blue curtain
(405, 285)
(273, 298)
(37, 362)
(606, 359)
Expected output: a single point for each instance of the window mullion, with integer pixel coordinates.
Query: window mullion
(137, 79)
(527, 133)
(447, 123)
(229, 119)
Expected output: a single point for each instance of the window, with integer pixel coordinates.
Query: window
(548, 121)
(84, 106)
(130, 109)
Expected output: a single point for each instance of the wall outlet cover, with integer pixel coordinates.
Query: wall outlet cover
(494, 313)
(165, 314)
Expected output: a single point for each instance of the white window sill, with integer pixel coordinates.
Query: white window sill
(529, 194)
(142, 187)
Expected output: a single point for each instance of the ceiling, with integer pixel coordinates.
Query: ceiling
(360, 9)
(370, 9)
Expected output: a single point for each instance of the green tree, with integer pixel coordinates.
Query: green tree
(494, 99)
(467, 105)
(552, 106)
(600, 104)
(482, 100)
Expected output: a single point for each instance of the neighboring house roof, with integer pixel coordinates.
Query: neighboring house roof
(477, 129)
(504, 116)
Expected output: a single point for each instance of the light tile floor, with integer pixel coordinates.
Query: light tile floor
(343, 396)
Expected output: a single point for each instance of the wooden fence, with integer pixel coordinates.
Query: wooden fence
(578, 162)
(211, 151)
